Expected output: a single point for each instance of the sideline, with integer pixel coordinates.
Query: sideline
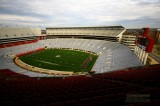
(40, 70)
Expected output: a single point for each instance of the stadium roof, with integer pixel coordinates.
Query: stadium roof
(119, 27)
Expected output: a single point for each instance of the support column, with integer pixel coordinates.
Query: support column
(140, 56)
(139, 50)
(135, 50)
(145, 59)
(143, 54)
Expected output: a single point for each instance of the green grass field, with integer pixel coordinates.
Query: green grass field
(60, 59)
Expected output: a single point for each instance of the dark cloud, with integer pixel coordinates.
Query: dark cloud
(18, 7)
(148, 2)
(141, 22)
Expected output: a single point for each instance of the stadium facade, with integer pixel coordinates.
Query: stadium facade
(129, 40)
(110, 33)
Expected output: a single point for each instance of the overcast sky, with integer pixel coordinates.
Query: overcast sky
(46, 13)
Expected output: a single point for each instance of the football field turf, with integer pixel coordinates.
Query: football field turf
(61, 59)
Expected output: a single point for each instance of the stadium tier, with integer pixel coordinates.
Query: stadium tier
(112, 55)
(17, 36)
(19, 32)
(135, 87)
(129, 40)
(111, 33)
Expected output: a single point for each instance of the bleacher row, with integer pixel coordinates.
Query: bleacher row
(17, 49)
(112, 33)
(8, 63)
(16, 43)
(142, 75)
(29, 52)
(101, 89)
(6, 73)
(19, 32)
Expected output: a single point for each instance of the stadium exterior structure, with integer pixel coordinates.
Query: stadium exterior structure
(129, 40)
(112, 55)
(110, 33)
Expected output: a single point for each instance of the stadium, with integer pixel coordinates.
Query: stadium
(76, 66)
(111, 55)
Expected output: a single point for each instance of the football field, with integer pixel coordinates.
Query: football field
(61, 59)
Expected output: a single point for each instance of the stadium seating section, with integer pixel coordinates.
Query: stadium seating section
(19, 32)
(112, 55)
(103, 89)
(92, 31)
(9, 44)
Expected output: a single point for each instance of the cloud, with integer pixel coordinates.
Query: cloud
(19, 18)
(141, 22)
(81, 12)
(147, 2)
